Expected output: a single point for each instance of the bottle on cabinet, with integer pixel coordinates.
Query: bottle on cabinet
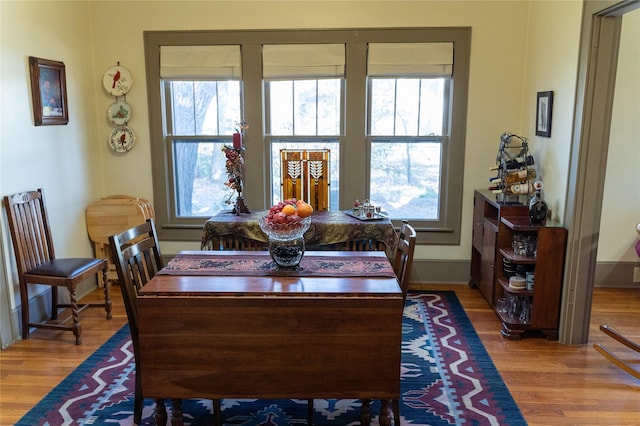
(517, 189)
(515, 177)
(515, 163)
(519, 176)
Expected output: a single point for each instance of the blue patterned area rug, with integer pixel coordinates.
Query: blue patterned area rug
(447, 379)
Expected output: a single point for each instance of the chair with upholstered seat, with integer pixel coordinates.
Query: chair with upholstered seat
(37, 263)
(137, 257)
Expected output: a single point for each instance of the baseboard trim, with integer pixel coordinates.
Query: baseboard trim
(615, 274)
(426, 271)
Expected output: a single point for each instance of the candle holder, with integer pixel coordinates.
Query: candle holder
(235, 169)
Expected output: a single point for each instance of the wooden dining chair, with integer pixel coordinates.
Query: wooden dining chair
(137, 257)
(402, 261)
(37, 263)
(403, 258)
(237, 242)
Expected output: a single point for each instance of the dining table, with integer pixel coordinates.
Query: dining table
(231, 324)
(327, 228)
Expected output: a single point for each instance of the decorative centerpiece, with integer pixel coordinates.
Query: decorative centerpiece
(285, 225)
(235, 168)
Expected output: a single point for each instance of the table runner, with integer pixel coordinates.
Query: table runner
(326, 228)
(261, 264)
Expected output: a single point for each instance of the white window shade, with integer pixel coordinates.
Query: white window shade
(303, 60)
(200, 62)
(432, 59)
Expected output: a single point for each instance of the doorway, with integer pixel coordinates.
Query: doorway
(599, 44)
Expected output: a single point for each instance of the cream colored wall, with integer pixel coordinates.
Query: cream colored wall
(498, 49)
(552, 60)
(621, 201)
(63, 160)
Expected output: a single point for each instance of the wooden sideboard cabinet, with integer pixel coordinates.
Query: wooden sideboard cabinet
(487, 213)
(495, 258)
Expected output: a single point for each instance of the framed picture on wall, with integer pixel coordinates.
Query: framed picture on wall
(543, 114)
(48, 92)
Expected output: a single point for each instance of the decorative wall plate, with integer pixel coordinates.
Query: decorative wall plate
(122, 139)
(119, 112)
(117, 80)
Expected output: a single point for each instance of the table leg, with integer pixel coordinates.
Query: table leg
(176, 413)
(385, 418)
(161, 413)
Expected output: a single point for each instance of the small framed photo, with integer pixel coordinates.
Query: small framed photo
(48, 92)
(543, 114)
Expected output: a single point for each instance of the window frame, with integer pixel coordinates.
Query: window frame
(442, 140)
(354, 144)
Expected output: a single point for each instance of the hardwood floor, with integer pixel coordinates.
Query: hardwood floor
(553, 384)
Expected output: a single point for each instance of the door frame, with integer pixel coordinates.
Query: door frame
(598, 60)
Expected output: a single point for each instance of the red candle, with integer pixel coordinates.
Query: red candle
(237, 140)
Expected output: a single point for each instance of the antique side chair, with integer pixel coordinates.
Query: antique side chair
(37, 263)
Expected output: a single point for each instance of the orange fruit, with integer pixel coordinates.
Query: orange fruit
(289, 209)
(304, 209)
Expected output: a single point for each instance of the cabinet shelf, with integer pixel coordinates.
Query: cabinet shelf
(511, 320)
(516, 258)
(504, 283)
(521, 223)
(492, 248)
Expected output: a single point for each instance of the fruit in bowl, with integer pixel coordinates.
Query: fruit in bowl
(285, 224)
(289, 219)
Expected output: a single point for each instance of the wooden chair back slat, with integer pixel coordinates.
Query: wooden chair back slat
(137, 258)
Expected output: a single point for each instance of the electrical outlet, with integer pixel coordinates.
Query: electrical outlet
(636, 274)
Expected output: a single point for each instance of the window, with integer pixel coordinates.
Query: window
(202, 116)
(304, 87)
(395, 128)
(408, 116)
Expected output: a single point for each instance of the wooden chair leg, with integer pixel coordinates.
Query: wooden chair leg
(107, 293)
(77, 328)
(217, 417)
(138, 401)
(365, 412)
(54, 302)
(24, 300)
(396, 412)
